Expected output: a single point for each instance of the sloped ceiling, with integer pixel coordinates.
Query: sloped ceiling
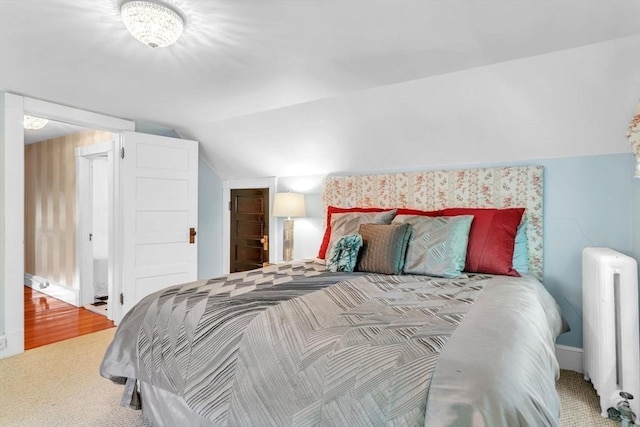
(240, 60)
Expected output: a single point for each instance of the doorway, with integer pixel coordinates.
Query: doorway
(95, 233)
(249, 229)
(13, 107)
(53, 231)
(129, 281)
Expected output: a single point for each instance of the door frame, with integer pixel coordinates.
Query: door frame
(12, 109)
(84, 221)
(239, 184)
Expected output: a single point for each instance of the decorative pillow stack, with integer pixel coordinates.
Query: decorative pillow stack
(437, 243)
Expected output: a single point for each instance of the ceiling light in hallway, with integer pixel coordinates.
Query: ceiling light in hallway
(34, 123)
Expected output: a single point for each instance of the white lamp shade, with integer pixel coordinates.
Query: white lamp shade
(288, 204)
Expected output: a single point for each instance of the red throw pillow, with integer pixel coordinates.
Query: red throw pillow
(491, 239)
(324, 246)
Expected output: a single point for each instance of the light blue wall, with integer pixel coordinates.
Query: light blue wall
(636, 226)
(2, 220)
(209, 222)
(144, 127)
(636, 218)
(588, 202)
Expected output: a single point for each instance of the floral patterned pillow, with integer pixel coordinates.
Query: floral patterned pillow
(344, 253)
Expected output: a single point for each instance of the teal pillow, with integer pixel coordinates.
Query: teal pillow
(344, 253)
(521, 250)
(438, 245)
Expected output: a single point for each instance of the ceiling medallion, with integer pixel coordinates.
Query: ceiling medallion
(154, 24)
(34, 123)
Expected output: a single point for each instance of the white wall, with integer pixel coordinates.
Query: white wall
(307, 231)
(100, 225)
(100, 195)
(576, 102)
(3, 179)
(11, 223)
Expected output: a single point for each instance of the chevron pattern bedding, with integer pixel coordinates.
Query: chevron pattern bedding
(293, 344)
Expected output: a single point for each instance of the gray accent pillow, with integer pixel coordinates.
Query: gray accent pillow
(384, 247)
(438, 245)
(349, 223)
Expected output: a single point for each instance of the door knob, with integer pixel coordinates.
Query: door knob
(192, 235)
(265, 242)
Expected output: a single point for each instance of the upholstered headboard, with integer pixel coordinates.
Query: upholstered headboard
(503, 187)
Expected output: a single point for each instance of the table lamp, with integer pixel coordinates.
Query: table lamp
(288, 205)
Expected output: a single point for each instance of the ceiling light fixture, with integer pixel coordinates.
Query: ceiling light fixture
(34, 123)
(154, 24)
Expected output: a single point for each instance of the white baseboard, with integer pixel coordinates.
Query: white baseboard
(569, 358)
(56, 290)
(14, 343)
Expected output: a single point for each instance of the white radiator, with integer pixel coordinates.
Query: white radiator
(611, 341)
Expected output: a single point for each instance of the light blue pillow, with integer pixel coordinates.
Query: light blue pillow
(438, 245)
(344, 253)
(520, 261)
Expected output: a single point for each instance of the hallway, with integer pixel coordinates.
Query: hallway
(48, 320)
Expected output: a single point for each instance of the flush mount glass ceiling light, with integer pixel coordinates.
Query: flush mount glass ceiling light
(34, 123)
(153, 23)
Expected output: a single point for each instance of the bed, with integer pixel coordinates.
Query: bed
(441, 325)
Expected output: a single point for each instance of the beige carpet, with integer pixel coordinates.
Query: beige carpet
(580, 403)
(59, 385)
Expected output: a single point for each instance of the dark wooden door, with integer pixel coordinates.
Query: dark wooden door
(249, 229)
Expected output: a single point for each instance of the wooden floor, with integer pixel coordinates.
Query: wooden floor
(48, 320)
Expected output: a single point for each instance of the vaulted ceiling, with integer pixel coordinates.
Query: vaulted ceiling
(244, 57)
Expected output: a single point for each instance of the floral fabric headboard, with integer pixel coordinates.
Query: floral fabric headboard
(503, 187)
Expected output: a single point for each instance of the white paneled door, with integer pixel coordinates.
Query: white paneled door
(160, 214)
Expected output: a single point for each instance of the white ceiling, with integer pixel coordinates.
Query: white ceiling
(241, 57)
(53, 129)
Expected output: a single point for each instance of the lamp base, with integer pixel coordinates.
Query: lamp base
(287, 240)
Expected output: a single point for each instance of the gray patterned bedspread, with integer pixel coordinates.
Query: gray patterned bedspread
(293, 344)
